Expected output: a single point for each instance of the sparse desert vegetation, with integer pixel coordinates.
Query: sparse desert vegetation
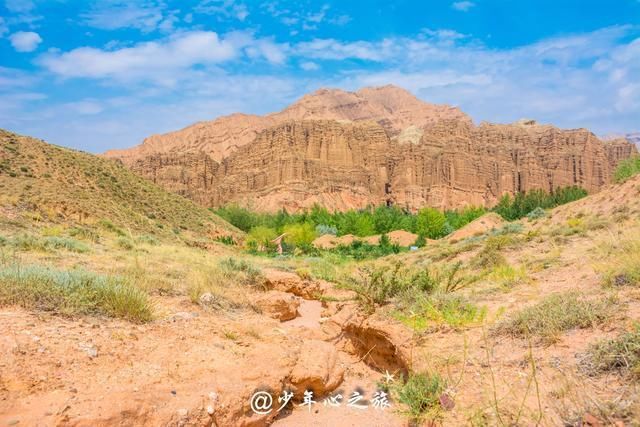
(540, 307)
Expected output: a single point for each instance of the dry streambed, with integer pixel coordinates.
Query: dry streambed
(196, 366)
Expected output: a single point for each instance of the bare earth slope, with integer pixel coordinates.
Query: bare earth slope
(49, 183)
(377, 145)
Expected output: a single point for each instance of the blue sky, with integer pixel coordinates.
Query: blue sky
(105, 74)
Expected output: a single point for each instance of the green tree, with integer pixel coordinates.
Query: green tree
(430, 223)
(300, 234)
(364, 225)
(262, 236)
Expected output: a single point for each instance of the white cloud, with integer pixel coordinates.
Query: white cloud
(305, 19)
(25, 41)
(463, 6)
(145, 16)
(85, 107)
(223, 8)
(162, 61)
(584, 80)
(337, 50)
(19, 6)
(309, 66)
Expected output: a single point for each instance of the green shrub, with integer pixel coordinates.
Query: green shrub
(124, 243)
(66, 243)
(621, 354)
(557, 313)
(360, 250)
(519, 206)
(322, 229)
(421, 393)
(243, 271)
(626, 169)
(378, 286)
(28, 242)
(537, 213)
(148, 240)
(490, 256)
(226, 240)
(110, 226)
(442, 308)
(300, 234)
(261, 236)
(73, 292)
(84, 233)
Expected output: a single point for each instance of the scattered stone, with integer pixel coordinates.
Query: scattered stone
(183, 315)
(447, 402)
(209, 300)
(90, 349)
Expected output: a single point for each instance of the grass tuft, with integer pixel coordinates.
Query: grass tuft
(421, 393)
(74, 292)
(621, 354)
(555, 314)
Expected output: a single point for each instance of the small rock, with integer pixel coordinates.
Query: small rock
(183, 315)
(90, 349)
(183, 412)
(447, 402)
(210, 410)
(12, 422)
(174, 392)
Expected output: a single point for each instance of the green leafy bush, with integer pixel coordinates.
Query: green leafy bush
(512, 208)
(421, 393)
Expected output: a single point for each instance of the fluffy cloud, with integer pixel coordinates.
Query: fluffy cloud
(463, 6)
(584, 80)
(163, 60)
(25, 41)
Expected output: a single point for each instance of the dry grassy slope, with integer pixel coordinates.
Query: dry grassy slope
(44, 181)
(608, 202)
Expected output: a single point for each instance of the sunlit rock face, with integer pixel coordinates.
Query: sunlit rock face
(376, 146)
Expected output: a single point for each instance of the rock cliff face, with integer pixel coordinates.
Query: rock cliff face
(393, 108)
(382, 145)
(342, 165)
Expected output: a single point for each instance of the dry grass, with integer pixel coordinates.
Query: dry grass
(557, 313)
(73, 293)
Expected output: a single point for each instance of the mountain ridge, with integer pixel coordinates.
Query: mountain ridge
(373, 146)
